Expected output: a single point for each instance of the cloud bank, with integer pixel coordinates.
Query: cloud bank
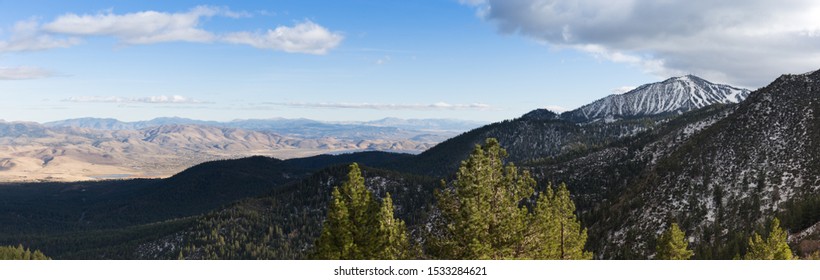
(378, 106)
(23, 73)
(743, 42)
(151, 27)
(161, 99)
(305, 37)
(556, 108)
(26, 36)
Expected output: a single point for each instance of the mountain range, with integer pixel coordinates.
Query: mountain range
(93, 148)
(104, 148)
(720, 161)
(387, 128)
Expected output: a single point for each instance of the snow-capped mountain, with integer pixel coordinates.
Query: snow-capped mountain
(722, 172)
(674, 95)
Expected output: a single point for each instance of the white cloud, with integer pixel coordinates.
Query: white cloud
(145, 27)
(743, 42)
(378, 106)
(151, 27)
(23, 73)
(556, 108)
(161, 99)
(166, 99)
(25, 36)
(622, 90)
(96, 99)
(304, 37)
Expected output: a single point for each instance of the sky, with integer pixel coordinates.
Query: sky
(341, 60)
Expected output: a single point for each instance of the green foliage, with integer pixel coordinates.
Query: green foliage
(774, 247)
(538, 141)
(392, 243)
(357, 227)
(484, 215)
(484, 220)
(287, 223)
(813, 256)
(559, 228)
(336, 241)
(672, 245)
(120, 243)
(20, 253)
(800, 212)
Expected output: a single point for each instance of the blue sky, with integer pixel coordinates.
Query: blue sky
(365, 60)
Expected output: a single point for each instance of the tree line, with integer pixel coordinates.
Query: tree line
(20, 253)
(490, 211)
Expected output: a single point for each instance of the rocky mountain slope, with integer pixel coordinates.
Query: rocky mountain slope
(721, 172)
(544, 135)
(760, 161)
(674, 95)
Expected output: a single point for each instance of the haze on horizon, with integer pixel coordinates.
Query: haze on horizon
(482, 60)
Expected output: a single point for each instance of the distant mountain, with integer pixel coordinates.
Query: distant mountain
(387, 128)
(33, 152)
(92, 123)
(114, 124)
(21, 129)
(306, 128)
(674, 95)
(426, 131)
(105, 148)
(426, 124)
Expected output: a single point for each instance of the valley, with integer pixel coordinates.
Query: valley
(722, 170)
(92, 149)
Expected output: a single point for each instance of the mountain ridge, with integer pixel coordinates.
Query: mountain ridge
(256, 124)
(673, 95)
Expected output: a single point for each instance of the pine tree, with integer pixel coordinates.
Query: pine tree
(481, 212)
(362, 210)
(774, 247)
(484, 214)
(357, 227)
(545, 228)
(558, 228)
(20, 253)
(672, 245)
(392, 242)
(572, 237)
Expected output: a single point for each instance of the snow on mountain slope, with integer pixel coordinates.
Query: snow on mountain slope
(727, 177)
(674, 95)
